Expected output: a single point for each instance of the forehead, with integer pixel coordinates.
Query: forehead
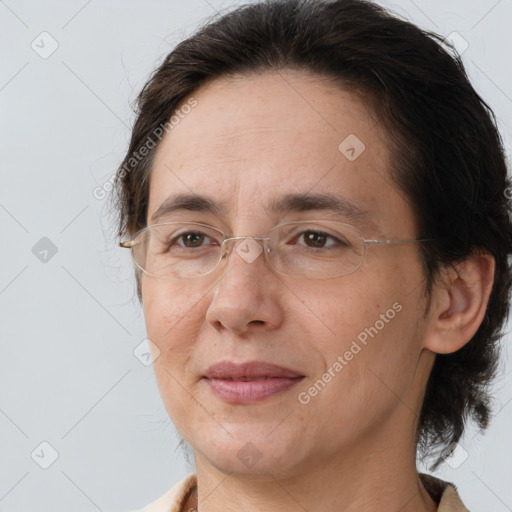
(250, 140)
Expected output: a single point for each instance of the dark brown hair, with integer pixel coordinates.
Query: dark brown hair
(447, 152)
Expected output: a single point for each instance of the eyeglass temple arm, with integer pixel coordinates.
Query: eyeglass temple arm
(404, 241)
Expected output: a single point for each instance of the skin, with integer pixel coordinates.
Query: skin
(352, 447)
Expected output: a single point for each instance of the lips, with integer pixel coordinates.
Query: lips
(254, 370)
(249, 382)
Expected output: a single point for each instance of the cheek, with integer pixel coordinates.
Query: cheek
(368, 365)
(369, 319)
(165, 303)
(173, 319)
(344, 308)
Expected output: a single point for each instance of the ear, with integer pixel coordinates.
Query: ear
(458, 303)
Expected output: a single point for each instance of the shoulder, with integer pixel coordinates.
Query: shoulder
(173, 499)
(443, 493)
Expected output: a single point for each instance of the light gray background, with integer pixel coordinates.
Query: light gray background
(69, 326)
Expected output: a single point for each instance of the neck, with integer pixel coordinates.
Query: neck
(371, 477)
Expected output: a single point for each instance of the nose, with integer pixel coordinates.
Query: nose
(246, 297)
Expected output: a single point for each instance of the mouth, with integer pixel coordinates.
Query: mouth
(250, 382)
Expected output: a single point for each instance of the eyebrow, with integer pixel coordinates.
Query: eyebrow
(289, 203)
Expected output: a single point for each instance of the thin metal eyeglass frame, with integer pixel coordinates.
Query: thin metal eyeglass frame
(129, 244)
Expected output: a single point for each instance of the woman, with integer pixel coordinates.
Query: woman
(314, 196)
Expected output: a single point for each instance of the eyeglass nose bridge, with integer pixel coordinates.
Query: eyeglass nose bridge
(248, 252)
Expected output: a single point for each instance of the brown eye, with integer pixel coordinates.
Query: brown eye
(314, 238)
(192, 239)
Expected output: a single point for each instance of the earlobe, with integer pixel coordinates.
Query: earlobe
(458, 304)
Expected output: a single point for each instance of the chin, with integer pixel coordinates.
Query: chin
(250, 454)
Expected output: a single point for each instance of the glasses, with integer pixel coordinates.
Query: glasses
(306, 249)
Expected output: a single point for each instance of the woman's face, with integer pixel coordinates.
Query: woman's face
(352, 344)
